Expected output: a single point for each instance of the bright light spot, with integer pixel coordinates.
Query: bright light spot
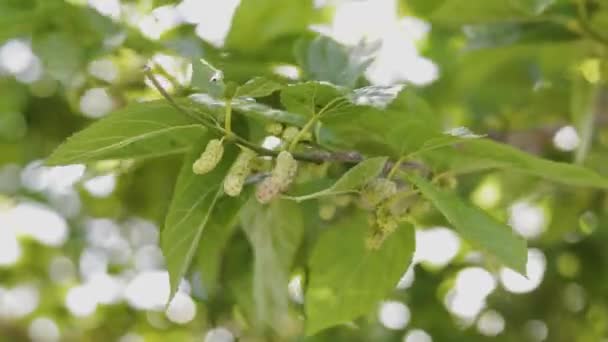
(436, 246)
(10, 249)
(148, 290)
(179, 68)
(535, 270)
(407, 279)
(149, 257)
(487, 194)
(527, 219)
(566, 139)
(219, 335)
(294, 288)
(271, 142)
(107, 289)
(101, 186)
(291, 72)
(491, 323)
(61, 269)
(131, 337)
(142, 232)
(213, 18)
(96, 102)
(182, 309)
(93, 260)
(162, 80)
(66, 203)
(59, 179)
(81, 301)
(109, 8)
(468, 296)
(161, 20)
(39, 223)
(9, 178)
(574, 297)
(16, 56)
(394, 315)
(417, 335)
(32, 73)
(43, 329)
(103, 69)
(19, 301)
(537, 330)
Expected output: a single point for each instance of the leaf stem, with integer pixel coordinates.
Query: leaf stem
(396, 166)
(302, 132)
(228, 116)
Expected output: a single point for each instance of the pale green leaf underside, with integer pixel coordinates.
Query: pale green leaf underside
(258, 87)
(193, 203)
(275, 232)
(139, 130)
(476, 226)
(351, 180)
(348, 280)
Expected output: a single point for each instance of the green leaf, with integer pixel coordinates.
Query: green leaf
(456, 12)
(207, 78)
(351, 180)
(313, 98)
(247, 107)
(193, 204)
(476, 226)
(348, 280)
(275, 232)
(220, 228)
(480, 154)
(257, 23)
(391, 122)
(532, 7)
(140, 130)
(258, 87)
(324, 59)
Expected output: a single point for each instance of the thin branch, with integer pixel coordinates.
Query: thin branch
(583, 19)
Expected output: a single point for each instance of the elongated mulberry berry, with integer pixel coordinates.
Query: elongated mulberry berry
(285, 170)
(267, 190)
(209, 158)
(240, 169)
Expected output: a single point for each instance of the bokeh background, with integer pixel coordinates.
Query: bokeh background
(79, 255)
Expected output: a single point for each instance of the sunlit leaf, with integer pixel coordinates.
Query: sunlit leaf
(476, 226)
(139, 130)
(193, 204)
(351, 180)
(258, 87)
(207, 78)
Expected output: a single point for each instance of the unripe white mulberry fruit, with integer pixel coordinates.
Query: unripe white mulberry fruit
(267, 190)
(209, 158)
(240, 169)
(285, 170)
(290, 133)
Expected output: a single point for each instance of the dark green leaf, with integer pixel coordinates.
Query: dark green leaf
(220, 228)
(476, 226)
(139, 130)
(348, 280)
(194, 202)
(258, 87)
(275, 232)
(480, 154)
